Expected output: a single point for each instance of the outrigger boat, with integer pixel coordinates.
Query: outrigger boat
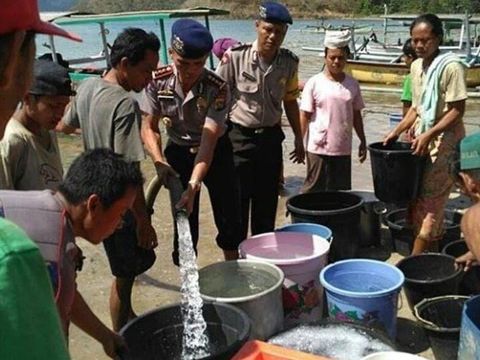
(79, 72)
(386, 67)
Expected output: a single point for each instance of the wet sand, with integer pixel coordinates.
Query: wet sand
(160, 285)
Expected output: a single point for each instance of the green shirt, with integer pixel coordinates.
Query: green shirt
(30, 326)
(407, 89)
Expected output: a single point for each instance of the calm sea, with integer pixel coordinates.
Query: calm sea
(242, 30)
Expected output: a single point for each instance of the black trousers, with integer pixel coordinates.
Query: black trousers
(257, 155)
(222, 188)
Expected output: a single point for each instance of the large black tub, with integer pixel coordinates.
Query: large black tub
(337, 210)
(402, 233)
(441, 317)
(470, 284)
(157, 335)
(429, 275)
(397, 174)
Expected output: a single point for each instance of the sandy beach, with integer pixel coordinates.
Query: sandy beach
(160, 285)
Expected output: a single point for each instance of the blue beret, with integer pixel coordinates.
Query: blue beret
(274, 13)
(190, 39)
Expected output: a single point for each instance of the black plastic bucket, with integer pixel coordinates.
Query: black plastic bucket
(370, 218)
(470, 284)
(338, 210)
(402, 234)
(157, 334)
(441, 317)
(429, 275)
(397, 174)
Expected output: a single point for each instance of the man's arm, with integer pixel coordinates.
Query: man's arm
(152, 140)
(210, 134)
(83, 317)
(293, 115)
(147, 238)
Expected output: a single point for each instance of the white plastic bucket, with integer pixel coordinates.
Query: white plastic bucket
(392, 355)
(301, 257)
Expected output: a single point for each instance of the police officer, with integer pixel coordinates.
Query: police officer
(262, 76)
(191, 102)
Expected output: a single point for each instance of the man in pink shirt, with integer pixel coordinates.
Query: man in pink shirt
(331, 106)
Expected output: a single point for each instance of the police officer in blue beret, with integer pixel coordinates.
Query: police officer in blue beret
(262, 77)
(191, 102)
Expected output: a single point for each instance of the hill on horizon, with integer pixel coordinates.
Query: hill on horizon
(56, 5)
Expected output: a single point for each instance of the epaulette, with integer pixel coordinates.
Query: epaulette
(290, 54)
(214, 79)
(162, 72)
(241, 46)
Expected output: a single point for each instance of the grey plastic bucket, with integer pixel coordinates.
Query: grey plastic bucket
(263, 307)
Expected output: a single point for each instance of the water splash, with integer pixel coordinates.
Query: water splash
(195, 340)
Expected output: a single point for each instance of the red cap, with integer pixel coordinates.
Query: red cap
(23, 15)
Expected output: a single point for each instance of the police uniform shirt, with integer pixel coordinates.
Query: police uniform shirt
(258, 93)
(185, 115)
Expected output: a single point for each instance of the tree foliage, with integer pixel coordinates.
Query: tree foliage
(299, 8)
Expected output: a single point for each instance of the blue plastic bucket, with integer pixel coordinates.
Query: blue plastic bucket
(469, 346)
(314, 229)
(363, 290)
(394, 119)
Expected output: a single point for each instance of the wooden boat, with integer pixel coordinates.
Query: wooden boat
(371, 72)
(385, 67)
(80, 72)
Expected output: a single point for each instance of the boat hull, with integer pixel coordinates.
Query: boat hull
(393, 74)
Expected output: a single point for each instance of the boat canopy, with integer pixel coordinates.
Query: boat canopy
(75, 18)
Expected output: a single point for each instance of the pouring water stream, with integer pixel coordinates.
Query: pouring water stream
(195, 340)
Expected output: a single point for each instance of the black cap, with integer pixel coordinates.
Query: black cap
(190, 39)
(50, 79)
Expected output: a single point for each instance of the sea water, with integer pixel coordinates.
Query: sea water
(338, 342)
(235, 282)
(195, 343)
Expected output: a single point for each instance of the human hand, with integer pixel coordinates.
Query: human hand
(297, 156)
(147, 238)
(467, 260)
(362, 152)
(188, 197)
(114, 345)
(391, 137)
(164, 171)
(420, 144)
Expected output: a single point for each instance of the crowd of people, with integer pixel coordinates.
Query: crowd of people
(223, 130)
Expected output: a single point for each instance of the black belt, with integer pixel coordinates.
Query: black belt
(255, 131)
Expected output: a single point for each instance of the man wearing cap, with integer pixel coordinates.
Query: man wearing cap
(262, 76)
(110, 118)
(29, 150)
(191, 102)
(30, 323)
(331, 106)
(467, 173)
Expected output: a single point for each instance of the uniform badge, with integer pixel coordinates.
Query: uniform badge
(178, 45)
(167, 121)
(282, 81)
(201, 104)
(225, 58)
(219, 103)
(165, 94)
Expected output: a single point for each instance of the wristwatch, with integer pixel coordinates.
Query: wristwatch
(196, 185)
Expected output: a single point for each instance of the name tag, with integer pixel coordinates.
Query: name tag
(165, 97)
(249, 76)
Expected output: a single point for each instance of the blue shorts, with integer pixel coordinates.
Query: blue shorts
(126, 258)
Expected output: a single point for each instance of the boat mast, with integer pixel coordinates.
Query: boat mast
(385, 23)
